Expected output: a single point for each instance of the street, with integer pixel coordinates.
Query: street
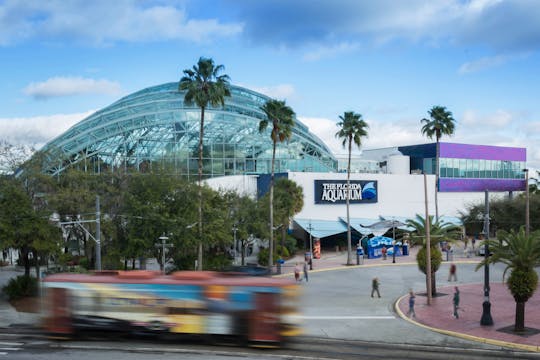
(339, 317)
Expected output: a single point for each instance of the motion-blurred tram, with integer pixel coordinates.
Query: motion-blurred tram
(253, 310)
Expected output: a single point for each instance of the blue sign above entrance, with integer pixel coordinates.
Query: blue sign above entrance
(335, 191)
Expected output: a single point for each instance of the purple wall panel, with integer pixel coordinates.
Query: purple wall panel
(487, 152)
(468, 185)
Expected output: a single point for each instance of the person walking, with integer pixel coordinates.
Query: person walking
(412, 298)
(452, 273)
(383, 251)
(375, 287)
(306, 270)
(297, 272)
(456, 302)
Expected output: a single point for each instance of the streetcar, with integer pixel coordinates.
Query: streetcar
(252, 310)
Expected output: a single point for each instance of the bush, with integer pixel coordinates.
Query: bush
(283, 252)
(436, 259)
(262, 258)
(21, 286)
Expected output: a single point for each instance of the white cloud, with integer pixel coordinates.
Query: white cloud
(380, 134)
(498, 119)
(102, 22)
(281, 91)
(483, 64)
(37, 130)
(331, 51)
(66, 86)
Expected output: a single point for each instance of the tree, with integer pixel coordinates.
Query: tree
(352, 129)
(205, 87)
(439, 232)
(22, 226)
(440, 123)
(289, 201)
(281, 117)
(521, 254)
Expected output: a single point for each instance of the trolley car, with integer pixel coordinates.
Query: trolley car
(246, 308)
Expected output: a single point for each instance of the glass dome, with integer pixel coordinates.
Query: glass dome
(155, 127)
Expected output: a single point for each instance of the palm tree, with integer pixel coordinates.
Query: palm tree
(439, 232)
(205, 87)
(352, 129)
(281, 117)
(521, 254)
(440, 123)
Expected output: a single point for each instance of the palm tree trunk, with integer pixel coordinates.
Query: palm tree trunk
(349, 256)
(437, 181)
(271, 240)
(519, 325)
(200, 247)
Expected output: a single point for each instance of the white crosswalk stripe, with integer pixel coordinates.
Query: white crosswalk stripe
(8, 346)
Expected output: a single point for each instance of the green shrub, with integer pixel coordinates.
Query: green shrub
(262, 258)
(283, 252)
(21, 286)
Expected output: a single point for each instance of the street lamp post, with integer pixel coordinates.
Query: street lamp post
(527, 210)
(310, 247)
(393, 251)
(163, 246)
(486, 305)
(235, 229)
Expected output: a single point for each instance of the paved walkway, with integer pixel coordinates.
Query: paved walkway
(439, 315)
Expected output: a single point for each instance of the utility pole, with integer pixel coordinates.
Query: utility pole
(97, 238)
(98, 235)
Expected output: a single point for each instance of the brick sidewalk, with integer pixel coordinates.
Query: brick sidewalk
(439, 315)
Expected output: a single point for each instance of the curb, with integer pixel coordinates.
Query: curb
(501, 343)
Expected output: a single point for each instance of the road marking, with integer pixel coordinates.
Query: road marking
(10, 349)
(353, 317)
(2, 343)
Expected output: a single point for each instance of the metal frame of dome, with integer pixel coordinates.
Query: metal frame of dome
(155, 125)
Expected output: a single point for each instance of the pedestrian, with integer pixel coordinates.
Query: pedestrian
(456, 302)
(383, 251)
(412, 297)
(375, 287)
(452, 273)
(297, 272)
(306, 270)
(473, 241)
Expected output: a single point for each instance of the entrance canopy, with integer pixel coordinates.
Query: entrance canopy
(365, 226)
(322, 228)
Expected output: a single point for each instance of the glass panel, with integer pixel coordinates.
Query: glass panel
(462, 168)
(443, 167)
(476, 168)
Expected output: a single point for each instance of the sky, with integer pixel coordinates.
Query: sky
(388, 60)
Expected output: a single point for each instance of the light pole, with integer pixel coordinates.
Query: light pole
(163, 246)
(235, 229)
(527, 210)
(486, 305)
(310, 247)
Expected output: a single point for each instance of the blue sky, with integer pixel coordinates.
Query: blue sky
(389, 60)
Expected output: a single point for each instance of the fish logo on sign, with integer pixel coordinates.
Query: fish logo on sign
(369, 191)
